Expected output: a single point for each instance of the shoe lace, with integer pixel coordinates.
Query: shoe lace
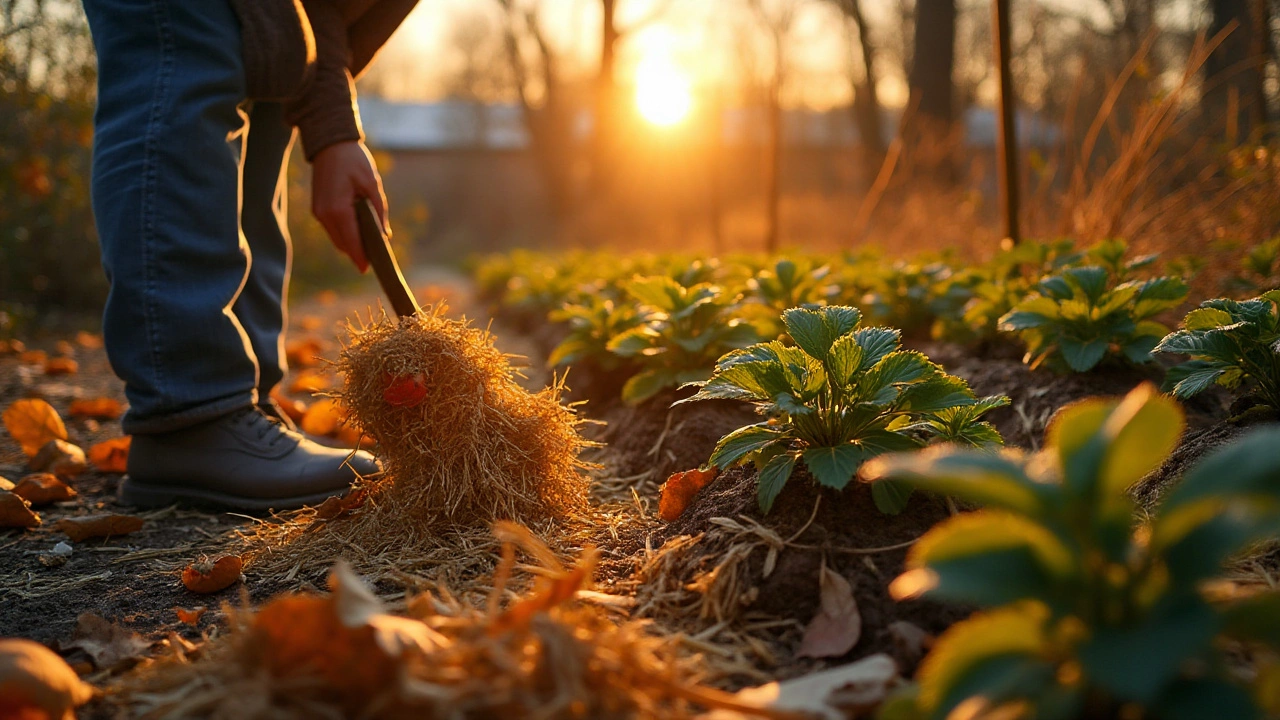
(263, 425)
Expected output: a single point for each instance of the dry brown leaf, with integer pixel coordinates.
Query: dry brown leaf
(192, 616)
(323, 418)
(96, 526)
(305, 352)
(205, 576)
(32, 423)
(911, 641)
(61, 366)
(42, 489)
(36, 683)
(6, 484)
(112, 455)
(33, 357)
(310, 323)
(109, 645)
(60, 458)
(15, 512)
(12, 346)
(64, 348)
(838, 625)
(88, 340)
(101, 408)
(679, 490)
(837, 693)
(295, 409)
(344, 639)
(310, 381)
(336, 507)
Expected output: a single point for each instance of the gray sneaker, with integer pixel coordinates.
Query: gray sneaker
(244, 460)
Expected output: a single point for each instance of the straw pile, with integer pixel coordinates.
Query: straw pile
(462, 445)
(549, 654)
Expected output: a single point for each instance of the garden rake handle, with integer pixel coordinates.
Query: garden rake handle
(377, 249)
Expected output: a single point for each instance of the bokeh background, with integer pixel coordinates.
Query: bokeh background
(722, 126)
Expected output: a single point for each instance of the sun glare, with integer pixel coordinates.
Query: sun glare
(664, 94)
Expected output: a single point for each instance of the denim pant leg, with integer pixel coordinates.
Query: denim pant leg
(166, 196)
(261, 307)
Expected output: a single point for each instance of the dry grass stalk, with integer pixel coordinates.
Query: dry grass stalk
(544, 655)
(479, 448)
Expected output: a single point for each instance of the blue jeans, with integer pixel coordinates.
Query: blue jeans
(189, 194)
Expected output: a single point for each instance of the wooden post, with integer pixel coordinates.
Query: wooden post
(1007, 146)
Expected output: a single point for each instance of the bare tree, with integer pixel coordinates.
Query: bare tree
(1235, 72)
(778, 18)
(866, 101)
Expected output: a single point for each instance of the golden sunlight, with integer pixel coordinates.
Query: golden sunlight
(664, 92)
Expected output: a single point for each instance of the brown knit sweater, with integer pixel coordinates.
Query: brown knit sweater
(308, 53)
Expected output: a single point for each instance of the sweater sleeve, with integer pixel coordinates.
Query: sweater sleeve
(326, 112)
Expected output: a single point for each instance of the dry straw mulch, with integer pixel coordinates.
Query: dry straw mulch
(474, 448)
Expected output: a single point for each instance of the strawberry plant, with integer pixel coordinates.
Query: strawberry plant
(1259, 269)
(684, 329)
(840, 396)
(786, 284)
(1090, 614)
(1080, 316)
(1114, 256)
(593, 322)
(1231, 344)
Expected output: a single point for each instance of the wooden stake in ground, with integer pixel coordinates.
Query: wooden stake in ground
(1008, 145)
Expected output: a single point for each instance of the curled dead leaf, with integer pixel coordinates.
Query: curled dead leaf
(837, 693)
(15, 512)
(64, 348)
(838, 625)
(109, 645)
(33, 357)
(36, 683)
(60, 458)
(205, 576)
(192, 616)
(61, 366)
(295, 409)
(323, 418)
(100, 408)
(42, 489)
(88, 340)
(80, 529)
(12, 346)
(111, 456)
(32, 422)
(679, 490)
(336, 507)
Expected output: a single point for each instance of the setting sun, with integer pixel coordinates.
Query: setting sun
(664, 93)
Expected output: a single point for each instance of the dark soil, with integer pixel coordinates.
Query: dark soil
(654, 439)
(846, 531)
(1035, 395)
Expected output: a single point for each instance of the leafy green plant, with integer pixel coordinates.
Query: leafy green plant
(1114, 256)
(1080, 316)
(1093, 615)
(593, 322)
(1231, 344)
(1259, 269)
(910, 296)
(840, 396)
(684, 329)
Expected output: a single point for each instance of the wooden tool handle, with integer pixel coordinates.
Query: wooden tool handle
(377, 248)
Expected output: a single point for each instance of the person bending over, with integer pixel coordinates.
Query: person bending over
(198, 102)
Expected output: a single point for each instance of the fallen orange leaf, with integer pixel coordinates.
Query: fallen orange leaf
(310, 323)
(309, 381)
(42, 489)
(295, 409)
(88, 340)
(12, 346)
(304, 353)
(16, 512)
(60, 458)
(64, 348)
(37, 684)
(100, 408)
(679, 490)
(61, 366)
(192, 616)
(111, 455)
(95, 526)
(205, 576)
(322, 419)
(32, 423)
(33, 357)
(327, 297)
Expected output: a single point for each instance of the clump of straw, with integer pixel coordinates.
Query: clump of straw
(477, 448)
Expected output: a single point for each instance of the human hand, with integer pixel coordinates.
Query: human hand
(341, 174)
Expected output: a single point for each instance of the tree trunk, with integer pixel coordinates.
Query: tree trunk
(773, 170)
(866, 103)
(604, 134)
(934, 61)
(1235, 70)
